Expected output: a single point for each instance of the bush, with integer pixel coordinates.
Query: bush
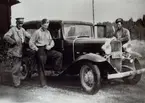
(138, 46)
(136, 28)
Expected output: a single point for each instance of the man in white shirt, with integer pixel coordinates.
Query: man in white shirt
(41, 42)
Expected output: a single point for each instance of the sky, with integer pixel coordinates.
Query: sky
(105, 10)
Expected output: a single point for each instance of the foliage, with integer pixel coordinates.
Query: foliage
(3, 50)
(139, 47)
(136, 28)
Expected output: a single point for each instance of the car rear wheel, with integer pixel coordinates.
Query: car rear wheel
(25, 73)
(90, 77)
(133, 79)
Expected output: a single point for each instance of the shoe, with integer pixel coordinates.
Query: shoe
(16, 82)
(16, 85)
(43, 83)
(57, 73)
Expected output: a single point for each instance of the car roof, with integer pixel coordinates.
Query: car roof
(37, 23)
(78, 22)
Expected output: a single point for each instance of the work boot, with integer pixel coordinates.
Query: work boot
(16, 81)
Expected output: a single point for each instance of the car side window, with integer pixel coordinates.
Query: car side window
(72, 31)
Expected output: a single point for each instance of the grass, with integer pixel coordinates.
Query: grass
(139, 46)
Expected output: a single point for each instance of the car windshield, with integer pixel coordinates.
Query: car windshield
(77, 30)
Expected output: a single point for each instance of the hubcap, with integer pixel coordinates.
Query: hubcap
(88, 77)
(24, 71)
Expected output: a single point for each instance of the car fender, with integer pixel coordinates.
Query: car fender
(135, 55)
(131, 63)
(100, 61)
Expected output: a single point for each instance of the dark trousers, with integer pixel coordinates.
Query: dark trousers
(42, 55)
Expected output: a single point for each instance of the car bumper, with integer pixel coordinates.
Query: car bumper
(125, 74)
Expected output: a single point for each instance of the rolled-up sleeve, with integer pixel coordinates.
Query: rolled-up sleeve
(8, 36)
(32, 42)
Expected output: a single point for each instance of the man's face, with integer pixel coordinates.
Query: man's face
(19, 25)
(119, 25)
(45, 25)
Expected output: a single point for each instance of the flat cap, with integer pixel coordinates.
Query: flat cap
(119, 20)
(20, 20)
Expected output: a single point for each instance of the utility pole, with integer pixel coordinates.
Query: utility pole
(93, 11)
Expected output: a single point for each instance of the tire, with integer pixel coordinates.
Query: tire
(135, 78)
(90, 77)
(25, 73)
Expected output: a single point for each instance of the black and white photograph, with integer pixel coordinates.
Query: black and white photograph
(72, 51)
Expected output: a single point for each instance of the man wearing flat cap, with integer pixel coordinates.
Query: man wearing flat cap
(16, 37)
(121, 33)
(42, 42)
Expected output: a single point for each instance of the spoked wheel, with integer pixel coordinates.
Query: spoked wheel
(133, 79)
(24, 72)
(90, 78)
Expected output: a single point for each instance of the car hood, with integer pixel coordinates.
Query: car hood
(89, 45)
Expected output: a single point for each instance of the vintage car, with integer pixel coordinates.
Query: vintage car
(86, 55)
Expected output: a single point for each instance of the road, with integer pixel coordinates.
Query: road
(68, 90)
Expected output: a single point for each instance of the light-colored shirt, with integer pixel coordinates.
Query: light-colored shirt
(41, 38)
(17, 36)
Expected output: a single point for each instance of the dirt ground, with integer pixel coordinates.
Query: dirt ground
(68, 90)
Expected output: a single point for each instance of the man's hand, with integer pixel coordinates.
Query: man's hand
(113, 39)
(13, 44)
(36, 49)
(48, 47)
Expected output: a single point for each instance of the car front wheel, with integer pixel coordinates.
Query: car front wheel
(134, 79)
(90, 77)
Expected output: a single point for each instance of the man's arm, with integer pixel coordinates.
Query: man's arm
(8, 38)
(126, 36)
(33, 40)
(51, 43)
(26, 34)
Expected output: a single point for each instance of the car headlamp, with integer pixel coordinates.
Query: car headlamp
(127, 47)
